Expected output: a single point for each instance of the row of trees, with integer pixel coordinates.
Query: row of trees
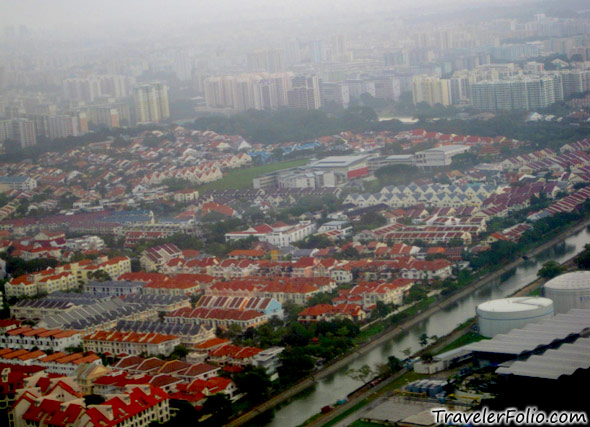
(504, 251)
(283, 125)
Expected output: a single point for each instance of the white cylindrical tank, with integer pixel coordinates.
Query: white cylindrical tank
(570, 290)
(500, 316)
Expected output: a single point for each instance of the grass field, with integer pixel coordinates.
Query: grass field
(242, 178)
(368, 333)
(359, 423)
(535, 292)
(468, 338)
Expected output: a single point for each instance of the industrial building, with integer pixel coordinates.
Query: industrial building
(394, 159)
(439, 156)
(301, 177)
(568, 291)
(534, 338)
(502, 315)
(328, 172)
(550, 380)
(554, 363)
(347, 167)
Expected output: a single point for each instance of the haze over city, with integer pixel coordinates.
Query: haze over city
(289, 213)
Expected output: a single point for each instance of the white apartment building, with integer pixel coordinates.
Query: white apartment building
(151, 103)
(284, 236)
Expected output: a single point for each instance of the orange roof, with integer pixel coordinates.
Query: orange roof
(213, 342)
(317, 310)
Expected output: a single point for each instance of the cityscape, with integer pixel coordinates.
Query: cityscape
(294, 213)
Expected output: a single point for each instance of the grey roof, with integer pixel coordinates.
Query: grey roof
(536, 335)
(300, 253)
(155, 300)
(554, 363)
(76, 298)
(43, 303)
(181, 329)
(94, 314)
(116, 283)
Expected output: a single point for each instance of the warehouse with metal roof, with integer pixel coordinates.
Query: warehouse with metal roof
(534, 338)
(554, 363)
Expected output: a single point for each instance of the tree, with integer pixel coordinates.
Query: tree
(423, 339)
(99, 276)
(151, 141)
(394, 364)
(296, 364)
(372, 220)
(12, 146)
(253, 381)
(407, 352)
(550, 269)
(315, 242)
(583, 259)
(120, 142)
(291, 311)
(427, 357)
(362, 374)
(382, 309)
(179, 352)
(348, 253)
(216, 410)
(455, 241)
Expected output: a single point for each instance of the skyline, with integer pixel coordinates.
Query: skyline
(67, 13)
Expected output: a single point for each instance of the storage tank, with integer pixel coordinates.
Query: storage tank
(570, 290)
(502, 315)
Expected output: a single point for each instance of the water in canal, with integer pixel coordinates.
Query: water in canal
(338, 385)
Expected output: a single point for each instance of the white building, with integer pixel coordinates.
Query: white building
(284, 236)
(151, 103)
(18, 182)
(44, 339)
(439, 156)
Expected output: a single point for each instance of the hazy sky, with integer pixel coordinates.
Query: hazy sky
(84, 13)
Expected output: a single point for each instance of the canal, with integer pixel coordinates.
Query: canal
(338, 385)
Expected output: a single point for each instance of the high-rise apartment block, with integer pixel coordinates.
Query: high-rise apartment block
(258, 91)
(431, 90)
(57, 126)
(517, 93)
(110, 115)
(334, 93)
(23, 131)
(151, 103)
(90, 88)
(305, 93)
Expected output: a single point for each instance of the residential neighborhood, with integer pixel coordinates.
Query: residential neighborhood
(146, 283)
